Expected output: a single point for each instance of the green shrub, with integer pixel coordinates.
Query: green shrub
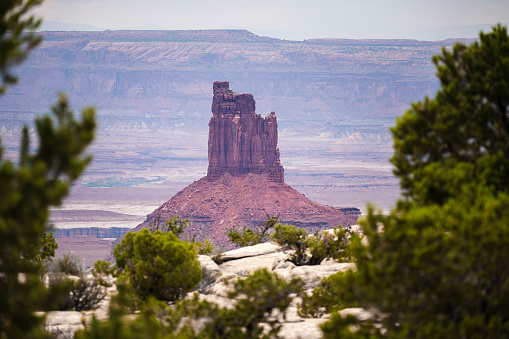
(257, 303)
(440, 268)
(158, 264)
(249, 237)
(312, 250)
(260, 298)
(36, 181)
(102, 272)
(438, 271)
(68, 264)
(326, 245)
(79, 293)
(82, 294)
(147, 324)
(45, 250)
(178, 226)
(331, 295)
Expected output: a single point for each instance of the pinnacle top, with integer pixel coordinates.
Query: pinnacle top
(241, 141)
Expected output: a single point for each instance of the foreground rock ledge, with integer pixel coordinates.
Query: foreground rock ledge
(241, 262)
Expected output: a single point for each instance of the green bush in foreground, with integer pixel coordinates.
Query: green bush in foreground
(438, 271)
(158, 264)
(440, 267)
(32, 184)
(312, 250)
(331, 295)
(260, 298)
(462, 135)
(248, 237)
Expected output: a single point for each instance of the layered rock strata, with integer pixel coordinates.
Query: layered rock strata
(97, 232)
(241, 141)
(245, 180)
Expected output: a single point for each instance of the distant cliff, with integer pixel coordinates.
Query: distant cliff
(98, 232)
(165, 73)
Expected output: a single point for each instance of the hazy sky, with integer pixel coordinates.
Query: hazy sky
(290, 19)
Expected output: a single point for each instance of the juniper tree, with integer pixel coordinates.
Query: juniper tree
(462, 135)
(158, 264)
(17, 36)
(30, 186)
(438, 265)
(27, 191)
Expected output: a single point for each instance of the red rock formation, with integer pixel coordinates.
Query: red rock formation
(235, 201)
(245, 178)
(241, 141)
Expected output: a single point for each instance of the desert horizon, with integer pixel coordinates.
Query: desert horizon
(335, 101)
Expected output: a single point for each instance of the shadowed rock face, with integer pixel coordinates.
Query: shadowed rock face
(241, 141)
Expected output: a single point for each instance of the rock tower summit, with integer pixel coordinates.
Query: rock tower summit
(245, 179)
(241, 141)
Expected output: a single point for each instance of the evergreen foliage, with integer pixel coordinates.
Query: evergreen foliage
(248, 237)
(31, 186)
(85, 294)
(79, 292)
(158, 264)
(68, 265)
(178, 226)
(42, 179)
(262, 297)
(17, 36)
(462, 135)
(175, 225)
(438, 265)
(330, 296)
(102, 271)
(312, 250)
(46, 247)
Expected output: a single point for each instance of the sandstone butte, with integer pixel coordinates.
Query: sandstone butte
(245, 178)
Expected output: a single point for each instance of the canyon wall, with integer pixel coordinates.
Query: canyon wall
(165, 73)
(98, 232)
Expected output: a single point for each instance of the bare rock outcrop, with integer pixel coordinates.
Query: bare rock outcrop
(216, 283)
(245, 179)
(241, 141)
(233, 201)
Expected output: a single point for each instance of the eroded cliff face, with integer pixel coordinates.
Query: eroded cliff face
(245, 180)
(164, 73)
(241, 141)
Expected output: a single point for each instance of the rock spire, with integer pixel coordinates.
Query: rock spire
(241, 141)
(245, 179)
